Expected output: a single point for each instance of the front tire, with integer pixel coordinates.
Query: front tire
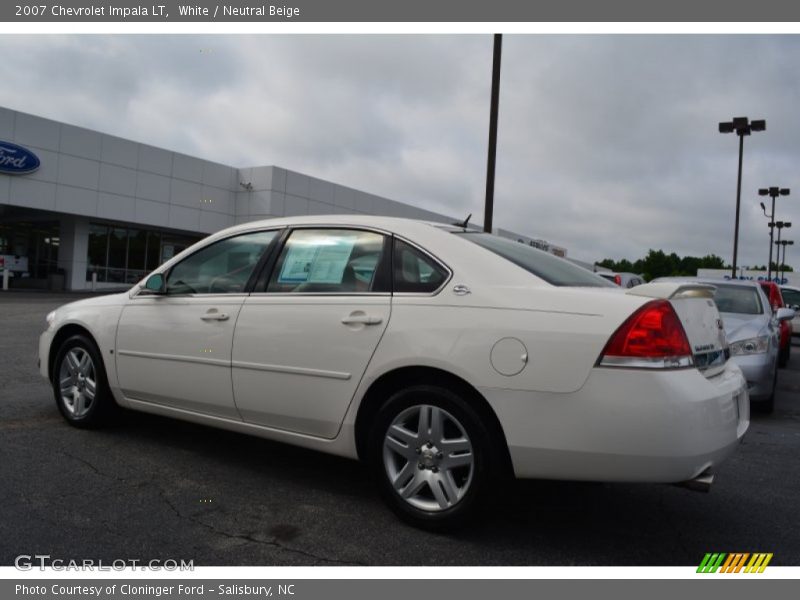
(784, 355)
(432, 457)
(80, 385)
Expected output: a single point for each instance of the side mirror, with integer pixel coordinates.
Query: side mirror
(784, 314)
(154, 284)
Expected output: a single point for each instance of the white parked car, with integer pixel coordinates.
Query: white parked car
(447, 359)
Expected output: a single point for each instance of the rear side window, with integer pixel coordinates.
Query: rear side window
(338, 261)
(552, 269)
(415, 271)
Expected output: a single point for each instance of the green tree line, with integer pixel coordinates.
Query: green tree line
(658, 263)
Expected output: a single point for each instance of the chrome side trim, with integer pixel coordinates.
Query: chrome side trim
(176, 357)
(630, 362)
(291, 370)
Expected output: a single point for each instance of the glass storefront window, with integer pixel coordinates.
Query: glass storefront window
(137, 248)
(153, 250)
(122, 255)
(118, 247)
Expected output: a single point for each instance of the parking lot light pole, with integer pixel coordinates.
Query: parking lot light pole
(773, 192)
(742, 126)
(780, 225)
(488, 211)
(782, 266)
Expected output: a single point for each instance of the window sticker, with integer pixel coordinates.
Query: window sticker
(321, 261)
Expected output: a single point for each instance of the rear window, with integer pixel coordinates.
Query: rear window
(738, 299)
(552, 269)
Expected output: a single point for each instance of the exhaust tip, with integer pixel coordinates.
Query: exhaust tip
(701, 483)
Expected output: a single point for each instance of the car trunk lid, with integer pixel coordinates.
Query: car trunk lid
(695, 307)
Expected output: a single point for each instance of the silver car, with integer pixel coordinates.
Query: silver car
(753, 333)
(791, 296)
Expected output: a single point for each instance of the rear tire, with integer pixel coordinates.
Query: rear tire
(433, 459)
(80, 385)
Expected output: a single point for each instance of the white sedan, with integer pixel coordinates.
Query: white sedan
(445, 358)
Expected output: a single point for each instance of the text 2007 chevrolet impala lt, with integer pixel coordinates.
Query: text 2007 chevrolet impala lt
(445, 358)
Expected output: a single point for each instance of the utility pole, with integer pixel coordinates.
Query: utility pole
(490, 163)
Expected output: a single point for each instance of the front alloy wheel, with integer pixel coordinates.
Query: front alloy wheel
(77, 380)
(79, 384)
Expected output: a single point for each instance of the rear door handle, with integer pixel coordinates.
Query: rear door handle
(215, 316)
(362, 320)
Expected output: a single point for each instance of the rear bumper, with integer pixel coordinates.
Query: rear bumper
(626, 425)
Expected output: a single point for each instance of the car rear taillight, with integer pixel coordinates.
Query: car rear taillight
(651, 338)
(618, 280)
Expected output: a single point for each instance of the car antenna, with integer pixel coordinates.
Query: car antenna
(464, 224)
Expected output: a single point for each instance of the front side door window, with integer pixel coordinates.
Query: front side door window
(223, 267)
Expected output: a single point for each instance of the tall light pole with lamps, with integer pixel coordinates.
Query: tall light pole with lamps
(780, 225)
(742, 126)
(782, 266)
(773, 192)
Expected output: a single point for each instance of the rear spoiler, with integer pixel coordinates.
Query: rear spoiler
(670, 290)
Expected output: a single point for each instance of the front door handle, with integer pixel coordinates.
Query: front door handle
(215, 316)
(362, 319)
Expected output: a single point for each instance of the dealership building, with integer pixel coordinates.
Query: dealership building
(86, 210)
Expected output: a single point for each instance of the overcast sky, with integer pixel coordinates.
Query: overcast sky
(608, 145)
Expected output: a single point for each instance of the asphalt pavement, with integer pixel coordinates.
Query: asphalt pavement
(154, 488)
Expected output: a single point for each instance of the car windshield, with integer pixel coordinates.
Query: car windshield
(738, 299)
(552, 269)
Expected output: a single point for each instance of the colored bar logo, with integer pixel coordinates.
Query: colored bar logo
(735, 562)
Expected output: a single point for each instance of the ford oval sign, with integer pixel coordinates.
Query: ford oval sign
(16, 160)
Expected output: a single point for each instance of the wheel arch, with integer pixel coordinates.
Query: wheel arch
(64, 333)
(402, 377)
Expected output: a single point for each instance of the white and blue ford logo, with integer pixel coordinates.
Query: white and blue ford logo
(16, 160)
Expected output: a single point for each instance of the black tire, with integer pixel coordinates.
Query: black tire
(98, 410)
(767, 407)
(783, 356)
(475, 481)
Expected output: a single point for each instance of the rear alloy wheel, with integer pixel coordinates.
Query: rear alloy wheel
(79, 384)
(430, 453)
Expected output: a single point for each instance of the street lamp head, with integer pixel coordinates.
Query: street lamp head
(787, 224)
(740, 122)
(790, 242)
(726, 127)
(779, 224)
(758, 125)
(763, 191)
(784, 191)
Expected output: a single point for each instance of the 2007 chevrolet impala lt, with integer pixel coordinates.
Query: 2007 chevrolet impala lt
(446, 358)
